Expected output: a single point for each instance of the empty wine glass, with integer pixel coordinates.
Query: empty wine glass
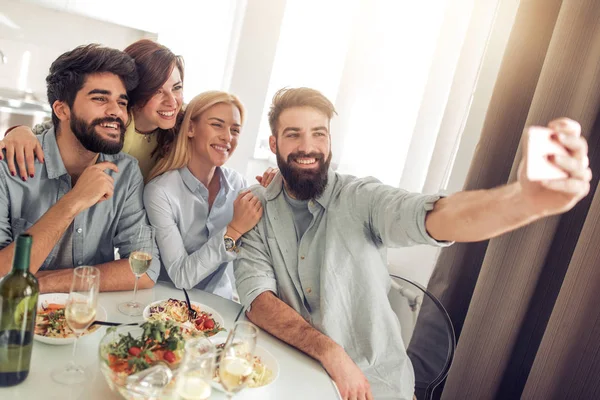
(80, 312)
(196, 370)
(139, 261)
(236, 360)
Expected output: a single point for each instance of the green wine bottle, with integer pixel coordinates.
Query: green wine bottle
(19, 291)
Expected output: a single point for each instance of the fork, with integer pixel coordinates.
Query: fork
(192, 316)
(106, 323)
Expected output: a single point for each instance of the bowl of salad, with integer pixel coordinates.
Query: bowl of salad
(146, 354)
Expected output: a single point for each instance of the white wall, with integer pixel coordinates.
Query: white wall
(137, 14)
(201, 32)
(44, 34)
(252, 71)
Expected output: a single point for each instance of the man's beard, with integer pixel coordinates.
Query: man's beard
(304, 184)
(91, 140)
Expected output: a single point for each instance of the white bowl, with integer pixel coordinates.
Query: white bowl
(61, 298)
(215, 315)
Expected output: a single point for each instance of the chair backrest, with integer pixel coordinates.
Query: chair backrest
(428, 331)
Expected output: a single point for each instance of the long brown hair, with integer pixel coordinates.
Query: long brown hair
(180, 153)
(154, 63)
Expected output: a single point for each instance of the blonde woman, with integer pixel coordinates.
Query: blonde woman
(198, 207)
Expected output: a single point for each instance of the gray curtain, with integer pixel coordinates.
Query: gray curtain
(524, 304)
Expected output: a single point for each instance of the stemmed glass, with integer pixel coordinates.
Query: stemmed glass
(236, 360)
(80, 312)
(196, 370)
(139, 261)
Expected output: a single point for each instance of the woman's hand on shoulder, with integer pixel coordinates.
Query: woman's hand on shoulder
(267, 176)
(21, 146)
(247, 211)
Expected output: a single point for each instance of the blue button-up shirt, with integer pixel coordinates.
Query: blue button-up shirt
(339, 268)
(189, 233)
(98, 230)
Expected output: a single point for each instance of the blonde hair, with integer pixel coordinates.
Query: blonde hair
(180, 152)
(298, 97)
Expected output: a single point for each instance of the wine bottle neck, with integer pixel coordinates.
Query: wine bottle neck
(22, 253)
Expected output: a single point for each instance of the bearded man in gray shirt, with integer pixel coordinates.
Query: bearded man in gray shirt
(313, 272)
(85, 199)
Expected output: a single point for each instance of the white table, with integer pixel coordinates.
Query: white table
(300, 377)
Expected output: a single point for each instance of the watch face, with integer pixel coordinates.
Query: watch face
(229, 243)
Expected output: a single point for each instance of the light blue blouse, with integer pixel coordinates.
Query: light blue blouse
(189, 235)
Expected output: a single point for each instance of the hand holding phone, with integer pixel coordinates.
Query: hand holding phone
(540, 145)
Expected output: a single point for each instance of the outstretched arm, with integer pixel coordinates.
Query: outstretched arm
(483, 214)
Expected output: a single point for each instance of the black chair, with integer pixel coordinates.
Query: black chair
(429, 335)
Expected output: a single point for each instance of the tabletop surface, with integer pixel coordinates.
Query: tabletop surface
(300, 377)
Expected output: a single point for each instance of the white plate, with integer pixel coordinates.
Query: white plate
(61, 298)
(215, 315)
(266, 357)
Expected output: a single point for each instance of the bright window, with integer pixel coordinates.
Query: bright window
(312, 48)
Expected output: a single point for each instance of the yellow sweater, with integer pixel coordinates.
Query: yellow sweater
(141, 147)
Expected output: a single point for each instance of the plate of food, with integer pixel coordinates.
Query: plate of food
(265, 369)
(208, 321)
(50, 323)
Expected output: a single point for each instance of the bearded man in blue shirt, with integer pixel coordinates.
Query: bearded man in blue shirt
(85, 200)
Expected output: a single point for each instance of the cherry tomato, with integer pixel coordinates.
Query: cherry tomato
(200, 325)
(202, 317)
(134, 351)
(209, 324)
(169, 356)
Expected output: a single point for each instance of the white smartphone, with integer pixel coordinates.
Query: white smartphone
(539, 146)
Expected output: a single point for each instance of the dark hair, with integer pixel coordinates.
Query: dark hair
(69, 71)
(298, 97)
(154, 63)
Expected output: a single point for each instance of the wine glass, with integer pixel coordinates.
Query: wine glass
(196, 370)
(80, 312)
(236, 360)
(139, 261)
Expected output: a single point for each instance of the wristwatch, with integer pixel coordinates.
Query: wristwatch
(229, 243)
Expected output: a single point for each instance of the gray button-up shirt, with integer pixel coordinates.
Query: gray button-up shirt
(189, 234)
(355, 220)
(98, 230)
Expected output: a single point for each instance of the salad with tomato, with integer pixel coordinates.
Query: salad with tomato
(177, 311)
(159, 342)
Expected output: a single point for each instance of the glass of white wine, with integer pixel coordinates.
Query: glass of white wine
(139, 261)
(196, 370)
(236, 360)
(80, 312)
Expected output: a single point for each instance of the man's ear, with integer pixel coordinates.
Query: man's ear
(273, 143)
(61, 110)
